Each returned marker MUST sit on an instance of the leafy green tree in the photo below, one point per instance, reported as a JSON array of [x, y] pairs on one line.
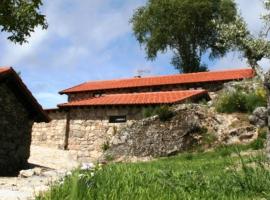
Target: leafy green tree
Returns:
[[236, 36], [186, 27], [20, 17]]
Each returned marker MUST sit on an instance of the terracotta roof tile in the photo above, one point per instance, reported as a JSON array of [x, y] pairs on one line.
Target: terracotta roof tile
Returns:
[[200, 77], [137, 98], [4, 69]]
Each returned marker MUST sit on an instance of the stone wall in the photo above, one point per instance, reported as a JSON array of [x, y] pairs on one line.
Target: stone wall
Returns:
[[83, 131], [15, 132], [190, 128], [51, 134]]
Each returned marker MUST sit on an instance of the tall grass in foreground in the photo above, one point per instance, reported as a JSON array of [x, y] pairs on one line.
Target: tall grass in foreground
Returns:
[[212, 175]]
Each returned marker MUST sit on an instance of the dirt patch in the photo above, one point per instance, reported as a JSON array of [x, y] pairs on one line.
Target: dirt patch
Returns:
[[45, 167]]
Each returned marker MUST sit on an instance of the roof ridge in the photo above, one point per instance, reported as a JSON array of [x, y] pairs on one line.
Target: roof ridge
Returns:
[[161, 76], [159, 92], [4, 69], [229, 74]]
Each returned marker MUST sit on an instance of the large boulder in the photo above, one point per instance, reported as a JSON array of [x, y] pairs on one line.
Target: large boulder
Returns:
[[259, 117]]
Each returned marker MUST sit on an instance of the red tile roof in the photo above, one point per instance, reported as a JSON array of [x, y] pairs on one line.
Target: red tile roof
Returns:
[[138, 98], [200, 77], [25, 96], [4, 69]]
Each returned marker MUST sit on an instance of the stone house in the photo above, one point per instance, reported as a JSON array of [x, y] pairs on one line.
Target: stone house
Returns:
[[97, 110], [18, 111]]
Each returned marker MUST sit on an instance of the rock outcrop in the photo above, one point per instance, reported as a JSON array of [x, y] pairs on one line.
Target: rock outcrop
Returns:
[[259, 117], [186, 130]]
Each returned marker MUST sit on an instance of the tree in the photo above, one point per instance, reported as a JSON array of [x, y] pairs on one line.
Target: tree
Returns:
[[236, 36], [20, 17], [186, 27]]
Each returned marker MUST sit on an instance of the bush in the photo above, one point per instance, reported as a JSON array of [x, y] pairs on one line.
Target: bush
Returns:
[[240, 101], [231, 102], [254, 100], [149, 112], [164, 113], [105, 146]]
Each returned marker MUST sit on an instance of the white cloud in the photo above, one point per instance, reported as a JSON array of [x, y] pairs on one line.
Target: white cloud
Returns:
[[86, 27], [15, 53]]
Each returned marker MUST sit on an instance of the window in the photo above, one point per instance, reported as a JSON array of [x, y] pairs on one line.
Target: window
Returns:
[[117, 119], [156, 89], [97, 94]]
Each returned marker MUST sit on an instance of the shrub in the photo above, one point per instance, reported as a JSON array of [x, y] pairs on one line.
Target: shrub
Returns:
[[105, 146], [240, 101], [164, 113], [254, 100], [149, 112], [231, 102]]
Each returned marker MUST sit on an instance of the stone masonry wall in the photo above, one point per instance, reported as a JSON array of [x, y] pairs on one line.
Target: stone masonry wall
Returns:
[[51, 134], [15, 132], [88, 129]]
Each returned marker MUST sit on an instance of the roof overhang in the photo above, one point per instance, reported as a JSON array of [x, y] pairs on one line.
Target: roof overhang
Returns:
[[23, 94]]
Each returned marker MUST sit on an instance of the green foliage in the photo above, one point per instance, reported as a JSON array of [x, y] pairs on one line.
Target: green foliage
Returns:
[[259, 143], [208, 139], [240, 101], [109, 157], [164, 113], [105, 146], [228, 150], [231, 102], [20, 18], [149, 112], [253, 176], [187, 27], [256, 99], [189, 176]]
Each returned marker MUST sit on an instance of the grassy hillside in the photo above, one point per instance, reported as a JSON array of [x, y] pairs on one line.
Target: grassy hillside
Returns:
[[212, 175]]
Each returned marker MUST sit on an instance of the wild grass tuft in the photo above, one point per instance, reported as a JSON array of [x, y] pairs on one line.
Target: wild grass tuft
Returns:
[[208, 175]]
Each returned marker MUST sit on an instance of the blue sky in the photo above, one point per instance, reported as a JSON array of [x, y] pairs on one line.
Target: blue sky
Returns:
[[92, 40]]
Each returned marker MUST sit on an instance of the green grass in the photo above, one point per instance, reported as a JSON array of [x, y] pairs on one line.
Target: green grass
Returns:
[[212, 175]]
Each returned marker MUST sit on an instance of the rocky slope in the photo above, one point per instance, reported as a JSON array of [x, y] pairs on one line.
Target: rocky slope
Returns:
[[191, 127]]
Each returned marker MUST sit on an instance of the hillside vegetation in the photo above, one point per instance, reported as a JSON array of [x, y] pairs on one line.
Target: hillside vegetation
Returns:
[[221, 174]]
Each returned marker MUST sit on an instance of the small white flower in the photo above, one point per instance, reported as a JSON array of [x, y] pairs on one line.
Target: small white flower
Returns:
[[61, 182], [69, 173], [87, 166]]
